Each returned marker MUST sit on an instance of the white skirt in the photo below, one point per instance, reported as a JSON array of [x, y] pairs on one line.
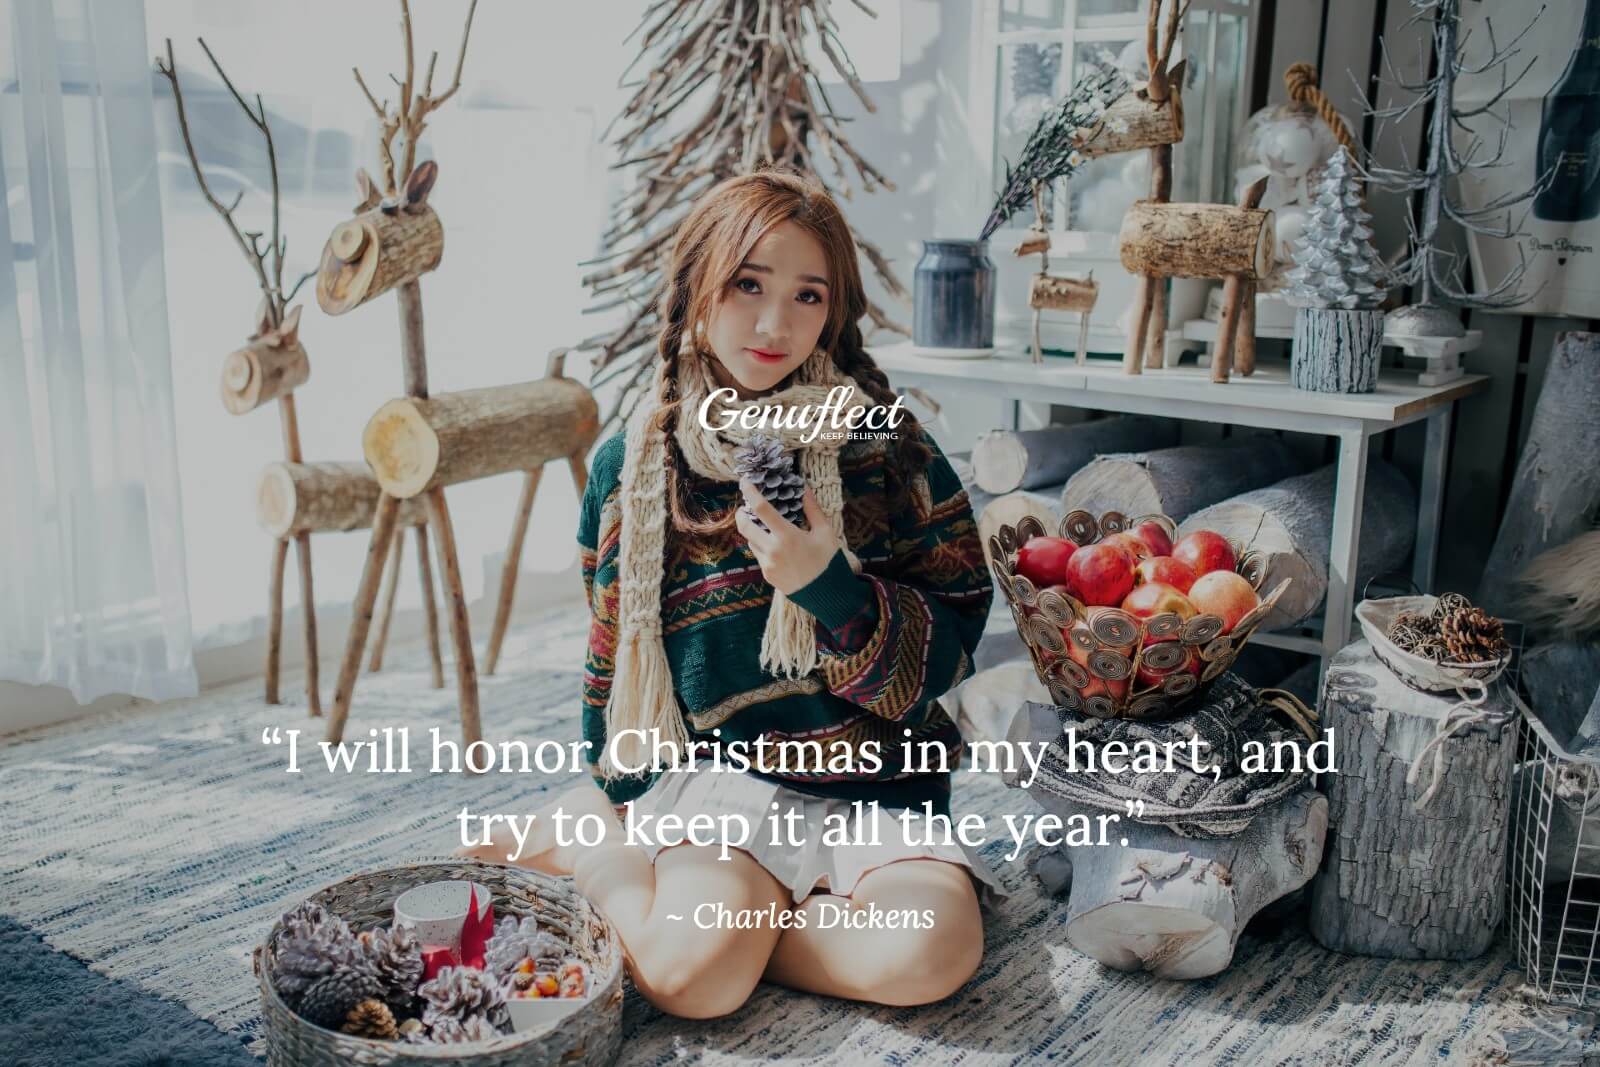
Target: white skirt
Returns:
[[813, 865]]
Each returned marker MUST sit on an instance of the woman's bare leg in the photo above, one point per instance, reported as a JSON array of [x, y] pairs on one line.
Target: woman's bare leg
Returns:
[[683, 962], [898, 967]]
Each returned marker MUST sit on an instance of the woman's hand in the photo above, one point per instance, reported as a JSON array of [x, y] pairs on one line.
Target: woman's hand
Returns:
[[789, 556]]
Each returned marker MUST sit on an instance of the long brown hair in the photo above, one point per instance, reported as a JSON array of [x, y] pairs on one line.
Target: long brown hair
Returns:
[[707, 252]]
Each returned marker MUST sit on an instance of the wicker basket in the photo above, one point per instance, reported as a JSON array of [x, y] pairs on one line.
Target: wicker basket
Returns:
[[590, 1035], [1097, 673], [1419, 672]]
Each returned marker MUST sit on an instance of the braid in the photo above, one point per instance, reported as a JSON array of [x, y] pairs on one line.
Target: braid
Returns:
[[911, 456], [687, 516]]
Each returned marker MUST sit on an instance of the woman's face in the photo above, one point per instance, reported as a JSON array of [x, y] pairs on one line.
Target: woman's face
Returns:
[[767, 321]]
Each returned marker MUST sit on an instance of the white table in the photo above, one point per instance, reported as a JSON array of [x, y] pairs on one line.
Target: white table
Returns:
[[1265, 400]]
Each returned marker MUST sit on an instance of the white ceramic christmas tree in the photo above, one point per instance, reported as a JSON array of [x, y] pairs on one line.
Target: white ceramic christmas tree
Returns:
[[1337, 284]]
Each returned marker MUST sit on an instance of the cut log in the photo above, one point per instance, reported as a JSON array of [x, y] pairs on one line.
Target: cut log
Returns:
[[295, 498], [1133, 120], [1008, 510], [1336, 350], [1006, 460], [1399, 881], [1196, 240], [1051, 293], [1178, 481], [1289, 526], [1170, 905], [1562, 678], [372, 253], [415, 445], [1556, 489], [262, 371]]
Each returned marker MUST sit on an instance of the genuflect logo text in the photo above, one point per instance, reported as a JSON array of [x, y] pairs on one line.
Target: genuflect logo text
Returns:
[[830, 419]]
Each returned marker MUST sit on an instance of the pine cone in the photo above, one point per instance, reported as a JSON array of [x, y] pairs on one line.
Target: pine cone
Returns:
[[462, 993], [312, 944], [394, 958], [1421, 623], [1472, 635], [450, 1031], [764, 462], [330, 1000], [515, 941], [371, 1019]]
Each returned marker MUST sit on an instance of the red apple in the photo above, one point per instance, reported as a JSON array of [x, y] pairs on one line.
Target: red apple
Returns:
[[1043, 560], [1155, 598], [1204, 551], [1166, 571], [1101, 573], [1225, 595], [1155, 536], [1129, 543]]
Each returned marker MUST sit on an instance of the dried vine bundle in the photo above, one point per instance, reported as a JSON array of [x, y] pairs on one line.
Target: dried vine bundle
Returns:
[[1453, 632], [730, 89]]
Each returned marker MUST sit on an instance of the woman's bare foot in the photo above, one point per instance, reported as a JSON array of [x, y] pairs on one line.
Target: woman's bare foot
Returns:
[[540, 851]]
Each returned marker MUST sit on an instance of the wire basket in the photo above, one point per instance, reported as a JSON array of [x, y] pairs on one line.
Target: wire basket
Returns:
[[1106, 662], [1555, 862]]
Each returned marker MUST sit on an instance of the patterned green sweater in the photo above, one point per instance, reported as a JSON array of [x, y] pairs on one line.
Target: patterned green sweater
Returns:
[[890, 640]]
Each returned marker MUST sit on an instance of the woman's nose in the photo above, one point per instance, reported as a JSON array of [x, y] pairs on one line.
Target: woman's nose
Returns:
[[773, 323]]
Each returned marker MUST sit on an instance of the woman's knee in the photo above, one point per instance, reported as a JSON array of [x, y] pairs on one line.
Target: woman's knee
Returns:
[[922, 964]]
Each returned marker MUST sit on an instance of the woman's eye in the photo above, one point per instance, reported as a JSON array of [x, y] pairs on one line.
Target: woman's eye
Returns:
[[810, 296], [748, 285]]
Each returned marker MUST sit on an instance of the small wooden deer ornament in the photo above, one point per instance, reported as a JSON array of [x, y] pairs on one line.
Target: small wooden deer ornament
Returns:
[[1049, 292]]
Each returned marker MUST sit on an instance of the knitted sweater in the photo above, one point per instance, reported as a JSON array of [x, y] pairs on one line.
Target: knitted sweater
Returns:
[[890, 640]]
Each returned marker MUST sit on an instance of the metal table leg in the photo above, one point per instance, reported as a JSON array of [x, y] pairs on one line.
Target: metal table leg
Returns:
[[1347, 497], [1430, 500]]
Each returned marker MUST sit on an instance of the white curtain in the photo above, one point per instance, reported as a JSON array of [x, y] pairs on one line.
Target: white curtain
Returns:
[[93, 594]]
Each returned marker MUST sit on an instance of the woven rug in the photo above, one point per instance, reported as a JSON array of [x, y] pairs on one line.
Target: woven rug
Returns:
[[158, 844]]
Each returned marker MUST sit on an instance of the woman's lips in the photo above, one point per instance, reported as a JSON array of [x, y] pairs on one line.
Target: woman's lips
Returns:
[[766, 356]]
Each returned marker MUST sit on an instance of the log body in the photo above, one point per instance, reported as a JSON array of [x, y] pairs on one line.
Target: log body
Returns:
[[1289, 526], [1336, 350], [372, 253], [415, 444], [1557, 484], [1178, 481], [1196, 240], [1397, 882], [1005, 460], [1051, 293], [1010, 509], [1142, 122], [295, 498], [260, 372]]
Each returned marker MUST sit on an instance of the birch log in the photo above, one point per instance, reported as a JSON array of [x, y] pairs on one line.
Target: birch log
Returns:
[[1052, 293], [262, 371], [295, 498], [372, 253], [1196, 240], [1006, 460], [1336, 350], [414, 445], [1177, 482], [1007, 510], [1399, 882], [1556, 489], [1133, 120], [1289, 525], [1171, 905]]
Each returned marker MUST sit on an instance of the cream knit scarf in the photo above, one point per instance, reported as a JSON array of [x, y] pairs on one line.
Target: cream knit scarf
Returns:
[[642, 696]]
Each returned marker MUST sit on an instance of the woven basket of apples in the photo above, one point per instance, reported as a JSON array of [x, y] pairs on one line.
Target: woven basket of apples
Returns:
[[1123, 618]]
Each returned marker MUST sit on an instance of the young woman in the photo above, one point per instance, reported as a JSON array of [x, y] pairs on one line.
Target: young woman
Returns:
[[715, 620]]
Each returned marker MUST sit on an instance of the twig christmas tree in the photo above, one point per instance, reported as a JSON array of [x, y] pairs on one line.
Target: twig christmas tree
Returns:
[[757, 99], [1435, 271], [1336, 284], [1336, 265]]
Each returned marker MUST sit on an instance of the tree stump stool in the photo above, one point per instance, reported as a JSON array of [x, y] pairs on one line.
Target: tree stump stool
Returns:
[[1402, 879]]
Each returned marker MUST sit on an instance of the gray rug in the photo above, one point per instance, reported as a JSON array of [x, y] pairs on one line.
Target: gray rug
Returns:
[[158, 844]]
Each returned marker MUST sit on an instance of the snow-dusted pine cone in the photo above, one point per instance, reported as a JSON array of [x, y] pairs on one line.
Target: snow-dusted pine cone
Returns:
[[371, 1019], [461, 994], [330, 1000], [763, 460], [515, 941], [312, 944], [1472, 635], [449, 1031], [394, 958]]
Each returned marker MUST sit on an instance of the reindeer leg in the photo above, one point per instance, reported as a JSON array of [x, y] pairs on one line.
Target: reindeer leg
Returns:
[[386, 615], [280, 557], [444, 543], [308, 617], [509, 569], [361, 613], [429, 608]]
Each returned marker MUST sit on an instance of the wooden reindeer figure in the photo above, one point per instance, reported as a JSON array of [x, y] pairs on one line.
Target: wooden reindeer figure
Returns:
[[419, 444], [270, 367], [1147, 116], [1055, 292]]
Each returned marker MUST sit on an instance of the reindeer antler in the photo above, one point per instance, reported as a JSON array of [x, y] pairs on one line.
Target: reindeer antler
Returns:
[[1159, 52], [410, 116]]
